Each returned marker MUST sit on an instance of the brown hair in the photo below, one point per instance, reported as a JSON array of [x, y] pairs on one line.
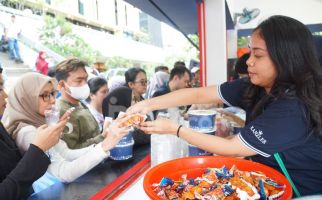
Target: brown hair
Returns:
[[68, 65]]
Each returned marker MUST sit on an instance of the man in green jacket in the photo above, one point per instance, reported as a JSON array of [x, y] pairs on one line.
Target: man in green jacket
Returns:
[[72, 83]]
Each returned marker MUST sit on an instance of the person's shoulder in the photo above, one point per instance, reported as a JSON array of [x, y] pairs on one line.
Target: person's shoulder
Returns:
[[161, 91], [122, 92], [64, 105], [122, 89], [292, 106], [27, 129], [294, 102]]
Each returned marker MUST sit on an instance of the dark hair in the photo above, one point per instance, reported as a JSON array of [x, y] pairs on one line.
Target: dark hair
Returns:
[[161, 68], [130, 74], [179, 71], [291, 48], [1, 69], [241, 66], [51, 72], [69, 65], [95, 84], [179, 63], [318, 43]]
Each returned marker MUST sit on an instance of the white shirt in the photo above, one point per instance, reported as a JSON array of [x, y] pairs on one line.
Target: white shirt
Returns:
[[97, 115], [66, 164], [13, 29]]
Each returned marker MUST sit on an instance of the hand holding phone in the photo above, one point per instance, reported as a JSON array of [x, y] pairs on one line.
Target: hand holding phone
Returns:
[[67, 114]]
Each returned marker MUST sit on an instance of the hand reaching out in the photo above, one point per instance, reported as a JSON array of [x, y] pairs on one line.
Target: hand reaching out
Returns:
[[140, 107], [114, 133], [160, 126], [47, 136]]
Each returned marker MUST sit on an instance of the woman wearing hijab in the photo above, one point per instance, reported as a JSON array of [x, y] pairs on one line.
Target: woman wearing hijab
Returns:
[[18, 172], [41, 63], [32, 95], [158, 80]]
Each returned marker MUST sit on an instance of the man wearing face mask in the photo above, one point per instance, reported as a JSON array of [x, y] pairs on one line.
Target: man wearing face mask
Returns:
[[72, 83]]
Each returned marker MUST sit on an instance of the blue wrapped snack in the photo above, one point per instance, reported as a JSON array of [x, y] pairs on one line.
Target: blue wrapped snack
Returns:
[[166, 181], [223, 173], [273, 183], [192, 181], [227, 190], [262, 192], [180, 187]]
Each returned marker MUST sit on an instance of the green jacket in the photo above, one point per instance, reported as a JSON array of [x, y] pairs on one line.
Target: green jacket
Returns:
[[85, 131]]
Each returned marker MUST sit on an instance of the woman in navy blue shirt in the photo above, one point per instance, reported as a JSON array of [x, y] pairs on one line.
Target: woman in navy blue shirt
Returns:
[[283, 102]]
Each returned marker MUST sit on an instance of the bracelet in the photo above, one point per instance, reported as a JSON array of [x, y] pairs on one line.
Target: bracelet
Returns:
[[178, 130]]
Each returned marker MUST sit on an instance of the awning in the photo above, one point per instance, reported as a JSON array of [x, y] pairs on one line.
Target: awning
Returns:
[[180, 14]]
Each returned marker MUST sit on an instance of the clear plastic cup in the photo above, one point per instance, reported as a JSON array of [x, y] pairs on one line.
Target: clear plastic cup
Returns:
[[52, 116]]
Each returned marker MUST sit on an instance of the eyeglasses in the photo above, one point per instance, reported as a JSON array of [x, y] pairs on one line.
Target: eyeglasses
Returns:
[[143, 82], [47, 96]]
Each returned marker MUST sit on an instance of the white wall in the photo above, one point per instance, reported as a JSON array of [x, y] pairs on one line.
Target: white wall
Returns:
[[216, 49], [306, 11]]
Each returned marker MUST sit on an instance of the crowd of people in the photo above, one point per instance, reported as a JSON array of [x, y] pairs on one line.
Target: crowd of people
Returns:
[[280, 90], [81, 140]]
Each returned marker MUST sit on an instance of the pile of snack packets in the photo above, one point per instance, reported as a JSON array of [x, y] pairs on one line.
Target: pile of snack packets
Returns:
[[220, 183]]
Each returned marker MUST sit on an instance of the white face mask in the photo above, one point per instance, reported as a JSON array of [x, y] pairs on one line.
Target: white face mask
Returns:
[[79, 93]]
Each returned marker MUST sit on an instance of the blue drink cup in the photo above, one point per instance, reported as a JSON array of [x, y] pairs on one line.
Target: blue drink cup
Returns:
[[124, 149], [195, 151], [202, 120]]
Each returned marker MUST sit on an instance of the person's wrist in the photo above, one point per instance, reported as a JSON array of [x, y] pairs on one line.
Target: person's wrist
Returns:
[[178, 131], [148, 105], [106, 147], [40, 146]]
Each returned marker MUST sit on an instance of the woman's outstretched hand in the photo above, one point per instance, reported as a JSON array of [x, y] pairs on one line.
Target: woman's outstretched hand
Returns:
[[160, 126], [140, 107], [114, 133]]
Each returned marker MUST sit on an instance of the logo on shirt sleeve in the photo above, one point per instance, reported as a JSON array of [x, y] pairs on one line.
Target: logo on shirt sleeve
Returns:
[[258, 134]]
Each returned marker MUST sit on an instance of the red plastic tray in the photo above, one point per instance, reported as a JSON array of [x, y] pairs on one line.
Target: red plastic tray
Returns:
[[195, 166]]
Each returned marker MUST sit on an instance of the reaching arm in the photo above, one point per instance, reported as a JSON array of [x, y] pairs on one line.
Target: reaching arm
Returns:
[[204, 95], [70, 154], [18, 183], [230, 146], [68, 171]]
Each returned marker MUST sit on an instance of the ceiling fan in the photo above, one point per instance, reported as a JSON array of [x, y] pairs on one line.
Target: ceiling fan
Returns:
[[246, 16]]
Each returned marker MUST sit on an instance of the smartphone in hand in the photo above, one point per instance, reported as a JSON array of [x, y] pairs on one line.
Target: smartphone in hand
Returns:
[[67, 113]]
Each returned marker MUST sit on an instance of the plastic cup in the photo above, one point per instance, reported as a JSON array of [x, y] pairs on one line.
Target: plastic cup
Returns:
[[52, 116]]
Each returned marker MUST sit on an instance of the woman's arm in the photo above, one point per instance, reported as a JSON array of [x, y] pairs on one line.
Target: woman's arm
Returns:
[[68, 171], [204, 95], [70, 154], [18, 183], [63, 168], [230, 146]]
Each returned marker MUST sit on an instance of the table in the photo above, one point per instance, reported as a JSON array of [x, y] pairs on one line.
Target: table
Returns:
[[98, 182]]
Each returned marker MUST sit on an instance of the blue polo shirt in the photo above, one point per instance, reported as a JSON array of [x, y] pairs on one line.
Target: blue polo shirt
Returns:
[[282, 127]]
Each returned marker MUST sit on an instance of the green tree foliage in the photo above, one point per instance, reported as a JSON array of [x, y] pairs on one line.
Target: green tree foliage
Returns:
[[242, 42], [185, 53], [57, 34], [118, 62]]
